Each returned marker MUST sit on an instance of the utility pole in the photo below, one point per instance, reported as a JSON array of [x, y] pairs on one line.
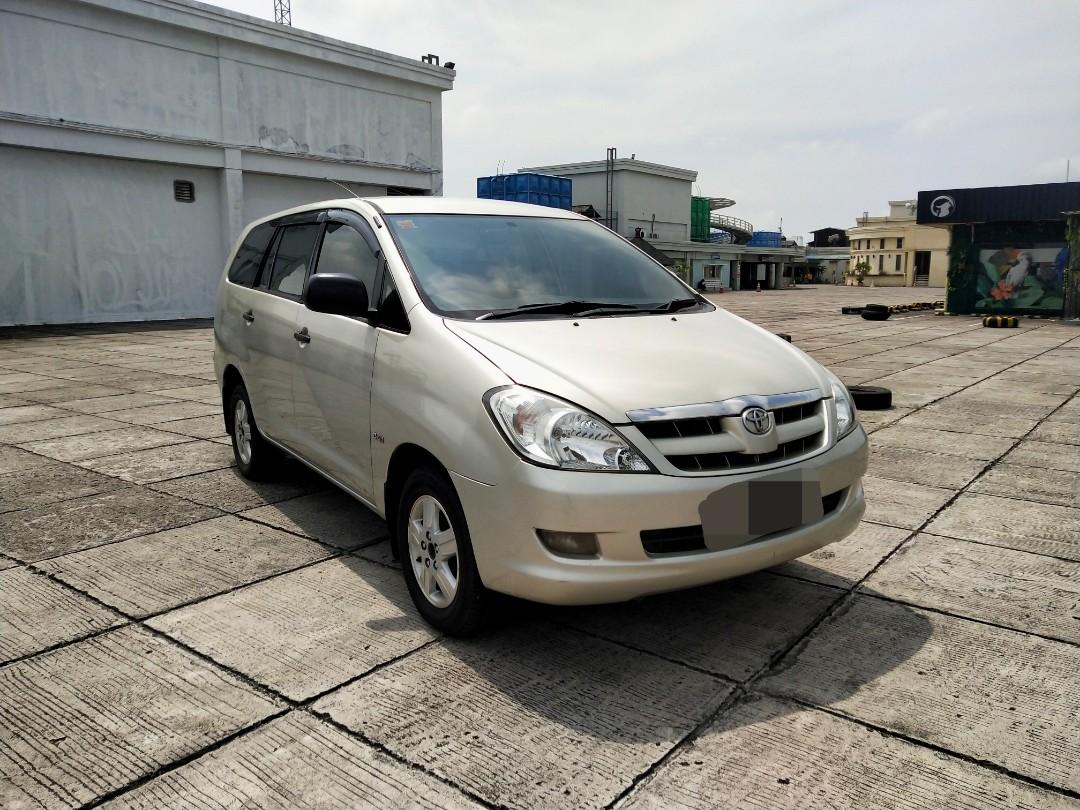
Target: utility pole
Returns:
[[609, 188], [283, 12]]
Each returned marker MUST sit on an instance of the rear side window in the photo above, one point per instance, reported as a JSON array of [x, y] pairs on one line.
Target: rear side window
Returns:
[[249, 257], [293, 256]]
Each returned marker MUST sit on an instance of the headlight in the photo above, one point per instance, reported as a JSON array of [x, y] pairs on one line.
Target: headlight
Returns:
[[845, 408], [554, 433]]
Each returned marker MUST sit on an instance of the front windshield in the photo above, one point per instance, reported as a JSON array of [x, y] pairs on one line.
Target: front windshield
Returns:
[[468, 265]]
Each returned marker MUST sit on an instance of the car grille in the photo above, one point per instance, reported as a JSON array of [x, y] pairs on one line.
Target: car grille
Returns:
[[705, 444], [688, 539]]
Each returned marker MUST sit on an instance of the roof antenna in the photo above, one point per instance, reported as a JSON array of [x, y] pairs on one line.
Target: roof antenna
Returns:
[[341, 185]]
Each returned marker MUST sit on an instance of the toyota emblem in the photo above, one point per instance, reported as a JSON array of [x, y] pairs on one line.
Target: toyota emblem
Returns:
[[757, 421]]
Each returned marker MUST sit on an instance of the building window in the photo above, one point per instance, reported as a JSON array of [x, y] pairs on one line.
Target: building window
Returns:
[[899, 243], [882, 245], [897, 262], [880, 261]]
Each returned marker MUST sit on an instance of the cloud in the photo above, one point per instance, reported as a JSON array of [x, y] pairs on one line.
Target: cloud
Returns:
[[814, 112], [932, 123]]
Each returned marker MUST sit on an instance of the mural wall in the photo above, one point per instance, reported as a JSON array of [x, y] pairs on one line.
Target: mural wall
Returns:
[[1021, 278], [1008, 267]]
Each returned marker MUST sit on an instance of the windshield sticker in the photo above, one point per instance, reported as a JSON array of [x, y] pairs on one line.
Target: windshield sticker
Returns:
[[406, 224]]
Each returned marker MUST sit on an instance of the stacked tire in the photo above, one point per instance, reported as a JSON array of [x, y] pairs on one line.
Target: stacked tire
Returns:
[[876, 312], [870, 397]]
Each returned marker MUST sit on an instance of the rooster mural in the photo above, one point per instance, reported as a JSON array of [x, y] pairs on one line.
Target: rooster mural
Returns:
[[1022, 278]]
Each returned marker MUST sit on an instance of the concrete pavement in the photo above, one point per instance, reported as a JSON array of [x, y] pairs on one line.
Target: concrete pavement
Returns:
[[174, 636]]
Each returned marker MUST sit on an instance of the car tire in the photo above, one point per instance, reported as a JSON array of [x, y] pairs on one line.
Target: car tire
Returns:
[[870, 397], [432, 541], [256, 458], [876, 307], [875, 315]]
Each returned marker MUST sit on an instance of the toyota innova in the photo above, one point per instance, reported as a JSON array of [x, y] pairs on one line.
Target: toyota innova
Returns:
[[536, 406]]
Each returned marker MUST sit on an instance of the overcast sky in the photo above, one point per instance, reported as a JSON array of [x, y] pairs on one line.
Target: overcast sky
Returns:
[[810, 111]]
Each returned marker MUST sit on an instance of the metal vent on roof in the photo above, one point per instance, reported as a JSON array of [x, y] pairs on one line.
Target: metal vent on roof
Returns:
[[183, 191]]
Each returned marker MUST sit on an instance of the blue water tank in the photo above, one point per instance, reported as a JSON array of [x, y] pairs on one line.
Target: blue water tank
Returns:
[[527, 187], [770, 239]]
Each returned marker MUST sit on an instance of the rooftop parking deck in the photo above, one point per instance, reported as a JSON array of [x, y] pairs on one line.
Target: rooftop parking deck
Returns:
[[174, 636]]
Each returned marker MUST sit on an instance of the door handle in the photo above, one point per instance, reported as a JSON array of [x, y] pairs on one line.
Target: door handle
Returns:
[[248, 316], [302, 336]]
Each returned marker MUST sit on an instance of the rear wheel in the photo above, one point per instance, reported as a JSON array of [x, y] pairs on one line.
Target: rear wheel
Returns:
[[255, 457], [433, 543]]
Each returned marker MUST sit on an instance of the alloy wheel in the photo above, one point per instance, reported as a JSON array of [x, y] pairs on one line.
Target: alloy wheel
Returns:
[[242, 431], [433, 551]]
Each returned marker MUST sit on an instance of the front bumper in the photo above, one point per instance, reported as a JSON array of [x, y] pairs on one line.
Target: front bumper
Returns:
[[503, 520]]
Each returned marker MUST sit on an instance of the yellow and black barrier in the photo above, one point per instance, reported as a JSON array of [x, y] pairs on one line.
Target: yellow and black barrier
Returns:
[[1001, 321], [919, 306]]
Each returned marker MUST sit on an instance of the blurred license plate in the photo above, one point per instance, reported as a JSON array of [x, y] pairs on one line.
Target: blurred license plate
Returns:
[[746, 510]]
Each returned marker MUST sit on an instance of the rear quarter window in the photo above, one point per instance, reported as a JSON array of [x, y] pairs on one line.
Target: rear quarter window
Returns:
[[249, 256]]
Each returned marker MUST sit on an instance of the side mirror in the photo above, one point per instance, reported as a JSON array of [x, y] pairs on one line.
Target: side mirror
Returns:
[[336, 294]]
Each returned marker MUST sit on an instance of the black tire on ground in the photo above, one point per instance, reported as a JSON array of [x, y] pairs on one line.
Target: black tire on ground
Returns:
[[875, 315], [256, 458], [467, 610], [876, 307], [851, 310], [870, 397]]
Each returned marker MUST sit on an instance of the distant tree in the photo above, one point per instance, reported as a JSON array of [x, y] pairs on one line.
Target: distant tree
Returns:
[[859, 271]]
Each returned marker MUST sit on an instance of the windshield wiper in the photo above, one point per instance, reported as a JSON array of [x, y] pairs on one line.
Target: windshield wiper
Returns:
[[675, 305], [574, 307]]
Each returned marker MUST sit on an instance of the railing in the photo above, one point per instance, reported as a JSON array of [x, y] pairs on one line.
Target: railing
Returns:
[[739, 229]]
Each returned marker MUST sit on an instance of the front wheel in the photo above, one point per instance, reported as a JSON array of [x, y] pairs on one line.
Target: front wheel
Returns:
[[434, 547]]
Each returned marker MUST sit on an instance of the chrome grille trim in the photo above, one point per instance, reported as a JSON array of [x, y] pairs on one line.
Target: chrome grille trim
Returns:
[[719, 462], [711, 437], [725, 407]]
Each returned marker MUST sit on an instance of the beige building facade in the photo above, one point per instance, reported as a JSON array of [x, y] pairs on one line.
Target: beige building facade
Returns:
[[899, 252]]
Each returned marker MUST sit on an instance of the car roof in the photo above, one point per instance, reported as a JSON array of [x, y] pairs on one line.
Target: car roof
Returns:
[[434, 205], [466, 205]]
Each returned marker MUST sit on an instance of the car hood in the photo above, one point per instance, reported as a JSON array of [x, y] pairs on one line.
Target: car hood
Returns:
[[612, 365]]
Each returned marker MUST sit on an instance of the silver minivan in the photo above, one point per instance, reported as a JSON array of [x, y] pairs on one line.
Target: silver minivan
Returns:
[[536, 406]]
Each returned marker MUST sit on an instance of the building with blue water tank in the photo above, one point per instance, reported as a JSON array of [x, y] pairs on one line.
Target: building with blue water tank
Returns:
[[526, 187], [652, 204]]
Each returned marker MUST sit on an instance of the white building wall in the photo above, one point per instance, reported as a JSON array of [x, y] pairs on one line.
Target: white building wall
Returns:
[[77, 250], [265, 194], [55, 67], [642, 196], [589, 189], [640, 190], [111, 100]]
